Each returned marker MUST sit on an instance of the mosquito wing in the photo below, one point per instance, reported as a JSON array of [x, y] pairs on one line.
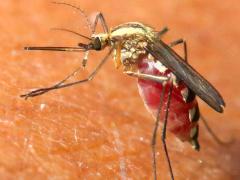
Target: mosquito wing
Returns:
[[162, 52]]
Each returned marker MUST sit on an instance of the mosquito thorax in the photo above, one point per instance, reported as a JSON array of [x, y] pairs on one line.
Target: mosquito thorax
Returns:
[[129, 41]]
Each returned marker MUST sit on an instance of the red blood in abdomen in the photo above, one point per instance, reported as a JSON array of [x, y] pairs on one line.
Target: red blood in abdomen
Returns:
[[150, 91]]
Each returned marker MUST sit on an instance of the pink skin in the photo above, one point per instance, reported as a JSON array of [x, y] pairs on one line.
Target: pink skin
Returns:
[[150, 91]]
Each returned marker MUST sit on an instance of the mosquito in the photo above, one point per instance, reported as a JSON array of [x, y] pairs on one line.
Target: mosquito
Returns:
[[167, 83]]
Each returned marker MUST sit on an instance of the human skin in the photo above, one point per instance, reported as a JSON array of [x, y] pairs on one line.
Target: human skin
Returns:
[[101, 129]]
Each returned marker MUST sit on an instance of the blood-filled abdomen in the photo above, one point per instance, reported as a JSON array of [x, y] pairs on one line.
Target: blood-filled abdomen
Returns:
[[183, 111]]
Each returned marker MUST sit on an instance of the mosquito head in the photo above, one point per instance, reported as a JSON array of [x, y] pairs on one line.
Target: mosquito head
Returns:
[[97, 43]]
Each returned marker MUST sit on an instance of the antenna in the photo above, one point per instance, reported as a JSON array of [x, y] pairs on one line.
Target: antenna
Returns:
[[81, 12], [70, 31]]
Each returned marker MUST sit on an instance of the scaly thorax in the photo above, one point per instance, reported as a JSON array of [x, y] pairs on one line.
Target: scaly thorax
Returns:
[[129, 41]]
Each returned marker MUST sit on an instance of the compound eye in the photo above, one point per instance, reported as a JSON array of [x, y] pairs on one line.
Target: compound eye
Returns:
[[97, 44]]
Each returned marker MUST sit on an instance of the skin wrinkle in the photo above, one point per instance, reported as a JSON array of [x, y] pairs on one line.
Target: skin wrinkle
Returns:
[[119, 149]]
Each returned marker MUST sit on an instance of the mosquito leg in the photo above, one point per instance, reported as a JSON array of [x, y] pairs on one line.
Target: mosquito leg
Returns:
[[68, 77], [159, 79], [61, 85], [154, 134], [181, 41], [214, 136], [162, 32], [100, 17], [165, 128], [154, 137], [85, 58]]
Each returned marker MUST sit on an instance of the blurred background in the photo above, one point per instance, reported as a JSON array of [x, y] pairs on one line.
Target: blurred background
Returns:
[[101, 130]]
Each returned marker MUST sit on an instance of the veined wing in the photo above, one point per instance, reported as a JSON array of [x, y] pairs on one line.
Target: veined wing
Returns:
[[197, 83]]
